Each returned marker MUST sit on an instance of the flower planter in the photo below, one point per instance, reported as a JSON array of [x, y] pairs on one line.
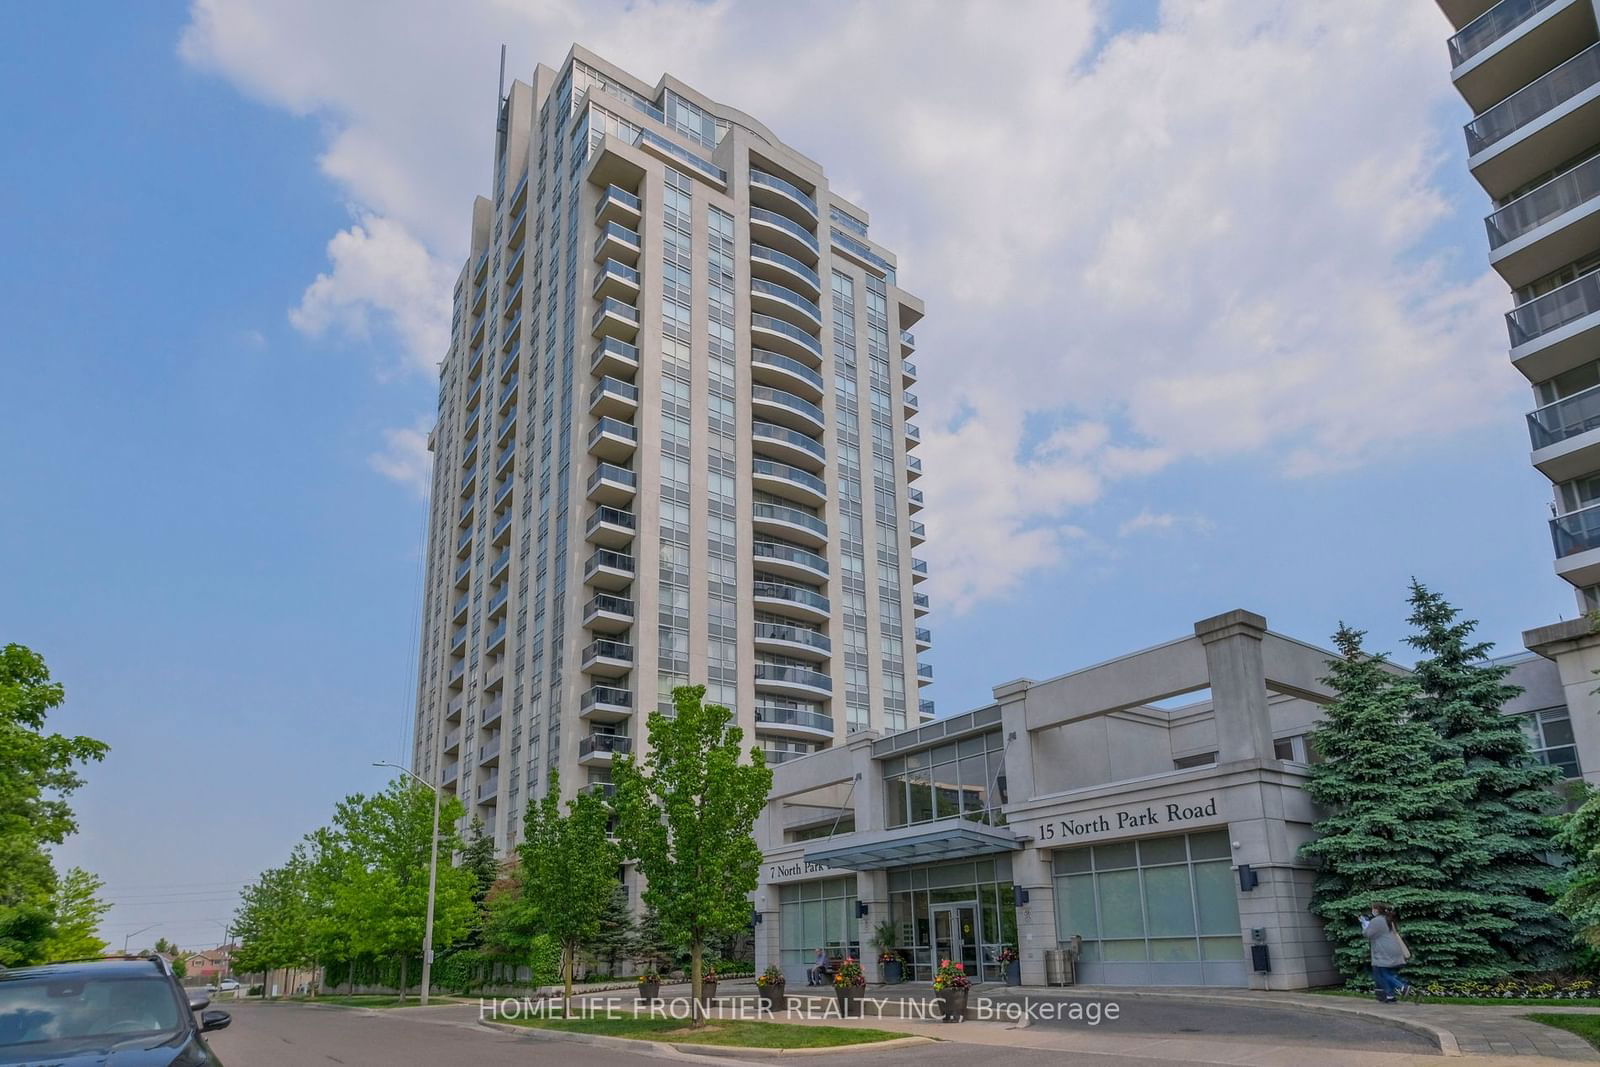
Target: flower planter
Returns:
[[773, 998], [1014, 972], [849, 997], [708, 991], [892, 972], [650, 991], [955, 1004]]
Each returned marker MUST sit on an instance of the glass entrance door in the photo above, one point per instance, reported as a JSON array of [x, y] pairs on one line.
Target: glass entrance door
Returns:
[[956, 936]]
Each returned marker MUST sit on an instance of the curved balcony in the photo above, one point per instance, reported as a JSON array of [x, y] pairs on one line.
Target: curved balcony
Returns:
[[784, 337], [790, 445], [794, 641], [784, 302], [613, 439], [616, 280], [614, 397], [793, 722], [604, 703], [606, 659], [613, 318], [618, 242], [786, 372], [613, 357], [611, 484], [606, 569], [776, 194], [786, 409], [611, 527], [791, 600], [790, 561], [784, 234], [605, 613], [793, 681], [788, 481], [789, 523], [781, 267], [596, 750]]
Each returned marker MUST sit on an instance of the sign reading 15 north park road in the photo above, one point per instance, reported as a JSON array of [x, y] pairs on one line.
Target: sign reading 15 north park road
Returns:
[[1128, 819]]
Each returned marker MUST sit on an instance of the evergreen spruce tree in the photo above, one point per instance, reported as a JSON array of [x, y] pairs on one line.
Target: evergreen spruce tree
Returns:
[[1512, 800], [1396, 827]]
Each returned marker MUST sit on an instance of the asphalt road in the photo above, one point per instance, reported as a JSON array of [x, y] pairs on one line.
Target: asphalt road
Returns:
[[1147, 1034]]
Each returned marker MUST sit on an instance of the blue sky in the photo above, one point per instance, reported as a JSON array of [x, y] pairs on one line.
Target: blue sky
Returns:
[[200, 544]]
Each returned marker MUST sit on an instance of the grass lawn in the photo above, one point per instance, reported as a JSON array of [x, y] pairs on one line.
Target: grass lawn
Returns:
[[735, 1033], [1524, 1002], [1585, 1026]]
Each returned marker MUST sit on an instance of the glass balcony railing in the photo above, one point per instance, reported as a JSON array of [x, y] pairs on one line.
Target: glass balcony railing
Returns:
[[791, 474], [863, 252], [610, 472], [924, 635], [496, 600], [618, 270], [618, 349], [776, 672], [612, 605], [459, 637], [919, 600], [503, 490], [792, 593], [772, 631], [615, 387], [500, 563], [617, 194], [609, 516], [491, 713], [925, 670], [1555, 197], [913, 431], [914, 463], [919, 530], [1567, 417], [465, 539], [511, 328], [1533, 100], [463, 568], [616, 231], [458, 671], [496, 635], [1576, 531], [460, 604], [595, 744], [604, 557], [788, 554], [919, 566], [1492, 25], [772, 181], [787, 295], [615, 427], [811, 720], [603, 790], [793, 516], [782, 259], [788, 400], [1579, 297], [789, 437], [908, 338], [915, 496], [467, 505], [788, 226], [505, 521], [925, 708], [612, 306], [789, 330], [617, 650], [778, 361], [605, 694]]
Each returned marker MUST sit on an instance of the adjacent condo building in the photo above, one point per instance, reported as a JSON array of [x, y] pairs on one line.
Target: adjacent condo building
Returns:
[[674, 445], [1530, 72]]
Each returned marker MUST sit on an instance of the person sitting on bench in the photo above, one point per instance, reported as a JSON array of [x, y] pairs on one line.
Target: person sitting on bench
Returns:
[[818, 974]]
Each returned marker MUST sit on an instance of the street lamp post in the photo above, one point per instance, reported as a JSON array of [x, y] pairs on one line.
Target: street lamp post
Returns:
[[433, 878], [135, 934]]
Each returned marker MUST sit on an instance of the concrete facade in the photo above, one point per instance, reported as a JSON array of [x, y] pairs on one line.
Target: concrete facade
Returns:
[[673, 444]]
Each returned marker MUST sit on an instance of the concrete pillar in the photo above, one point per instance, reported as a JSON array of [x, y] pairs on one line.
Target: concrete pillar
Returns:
[[1238, 684], [1574, 646], [872, 889], [1013, 700], [1036, 920]]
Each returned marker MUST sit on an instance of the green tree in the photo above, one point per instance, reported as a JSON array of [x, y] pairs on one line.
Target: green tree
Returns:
[[37, 772], [687, 813], [1579, 838], [273, 920], [569, 871], [479, 858], [614, 939], [651, 949], [75, 912], [1513, 795], [329, 920], [1397, 827]]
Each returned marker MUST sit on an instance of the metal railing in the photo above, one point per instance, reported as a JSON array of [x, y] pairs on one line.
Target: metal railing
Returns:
[[1555, 197], [788, 226], [777, 672], [761, 357], [1492, 25], [790, 474], [617, 744], [613, 605], [787, 295], [1567, 417], [783, 259], [1554, 309], [811, 720], [772, 181], [1576, 531], [774, 432], [787, 400], [772, 631], [789, 330], [799, 556], [793, 593], [1533, 100], [793, 516]]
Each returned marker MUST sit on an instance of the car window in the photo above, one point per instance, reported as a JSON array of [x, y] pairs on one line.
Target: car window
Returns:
[[51, 1010]]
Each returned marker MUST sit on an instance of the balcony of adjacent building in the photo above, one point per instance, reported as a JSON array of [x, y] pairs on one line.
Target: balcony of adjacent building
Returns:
[[617, 205], [449, 773], [518, 198], [489, 752], [464, 543], [605, 613], [469, 482], [1555, 332], [1535, 129], [780, 232], [510, 360], [612, 485], [919, 533], [512, 331], [479, 329], [458, 641], [778, 266], [499, 565], [606, 658], [1513, 43], [610, 527], [914, 500], [597, 749], [1552, 224], [785, 303], [452, 710], [508, 397], [784, 408], [498, 600], [791, 680], [919, 604], [605, 703], [491, 714], [790, 600], [614, 397], [474, 361], [908, 372], [792, 639], [496, 641], [452, 741], [780, 721], [517, 228], [463, 575], [480, 297], [778, 194], [469, 453], [924, 638], [488, 792], [616, 281], [609, 570], [913, 468], [790, 482], [791, 561], [1566, 435], [502, 492], [514, 286], [614, 358], [790, 446], [507, 461], [919, 570], [785, 372], [458, 612], [776, 335], [456, 677], [613, 318], [789, 523], [494, 675], [618, 242], [613, 440], [1576, 537], [502, 530]]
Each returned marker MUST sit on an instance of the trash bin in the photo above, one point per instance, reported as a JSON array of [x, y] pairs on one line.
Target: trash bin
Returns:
[[1057, 967]]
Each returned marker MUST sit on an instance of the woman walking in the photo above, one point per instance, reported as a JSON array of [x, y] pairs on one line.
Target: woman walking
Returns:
[[1389, 953]]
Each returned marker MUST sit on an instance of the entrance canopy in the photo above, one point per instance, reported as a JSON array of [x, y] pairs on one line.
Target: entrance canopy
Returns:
[[928, 843]]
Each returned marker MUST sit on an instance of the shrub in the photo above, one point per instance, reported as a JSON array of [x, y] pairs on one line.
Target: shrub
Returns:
[[951, 976]]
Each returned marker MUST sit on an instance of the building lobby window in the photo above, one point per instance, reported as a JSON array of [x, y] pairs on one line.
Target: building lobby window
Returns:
[[1550, 736], [961, 780], [813, 915]]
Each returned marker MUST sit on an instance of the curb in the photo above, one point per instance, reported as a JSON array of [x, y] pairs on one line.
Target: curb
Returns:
[[633, 1044]]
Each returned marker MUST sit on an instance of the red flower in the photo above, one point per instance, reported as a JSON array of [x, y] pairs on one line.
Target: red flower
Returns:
[[961, 966]]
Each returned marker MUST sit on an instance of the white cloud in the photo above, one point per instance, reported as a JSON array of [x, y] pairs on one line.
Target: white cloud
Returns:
[[1212, 236], [1165, 522], [405, 457]]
